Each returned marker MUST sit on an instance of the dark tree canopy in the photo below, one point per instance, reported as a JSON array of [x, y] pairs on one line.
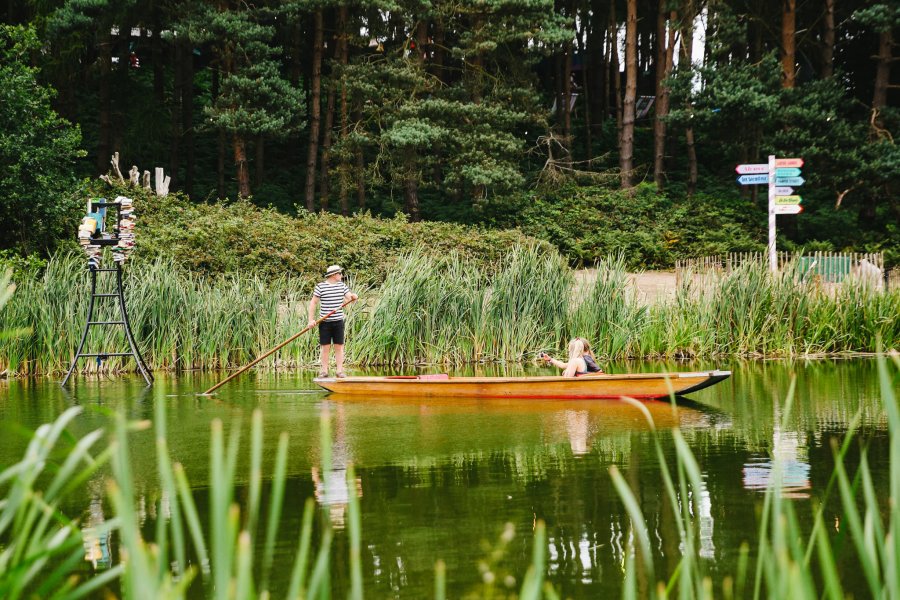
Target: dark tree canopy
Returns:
[[461, 110]]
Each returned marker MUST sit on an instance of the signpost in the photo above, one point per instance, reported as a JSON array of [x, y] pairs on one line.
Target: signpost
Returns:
[[753, 179], [751, 169], [781, 175], [785, 209], [788, 162]]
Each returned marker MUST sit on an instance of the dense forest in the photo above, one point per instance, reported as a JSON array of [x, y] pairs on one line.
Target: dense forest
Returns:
[[495, 112]]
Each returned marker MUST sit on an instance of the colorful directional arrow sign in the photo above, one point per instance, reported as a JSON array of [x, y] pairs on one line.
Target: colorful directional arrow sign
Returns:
[[788, 209], [752, 179], [787, 172], [786, 180], [784, 191], [788, 162], [788, 200], [750, 169]]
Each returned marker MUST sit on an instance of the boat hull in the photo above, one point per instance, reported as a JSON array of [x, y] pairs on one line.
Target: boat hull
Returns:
[[633, 385]]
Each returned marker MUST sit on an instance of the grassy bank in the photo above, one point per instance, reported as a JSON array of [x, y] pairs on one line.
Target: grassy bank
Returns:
[[447, 310]]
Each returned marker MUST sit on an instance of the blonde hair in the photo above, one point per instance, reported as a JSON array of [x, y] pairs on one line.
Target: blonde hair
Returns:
[[576, 348]]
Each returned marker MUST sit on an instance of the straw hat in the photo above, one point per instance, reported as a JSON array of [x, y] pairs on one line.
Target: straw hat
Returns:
[[333, 269]]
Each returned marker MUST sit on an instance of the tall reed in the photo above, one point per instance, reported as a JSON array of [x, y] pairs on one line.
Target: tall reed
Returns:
[[444, 311], [791, 561], [608, 313], [229, 557]]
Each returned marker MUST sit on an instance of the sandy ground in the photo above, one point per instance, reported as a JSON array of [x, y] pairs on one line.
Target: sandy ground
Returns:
[[650, 286]]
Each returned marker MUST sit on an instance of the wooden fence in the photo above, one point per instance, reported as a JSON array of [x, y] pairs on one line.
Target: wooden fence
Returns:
[[828, 267]]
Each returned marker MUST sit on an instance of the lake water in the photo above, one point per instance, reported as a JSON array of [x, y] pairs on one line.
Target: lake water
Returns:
[[440, 479]]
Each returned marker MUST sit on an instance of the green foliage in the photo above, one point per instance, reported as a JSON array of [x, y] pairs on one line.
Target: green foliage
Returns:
[[587, 223], [254, 98], [38, 150], [881, 16], [21, 267], [232, 237], [43, 547]]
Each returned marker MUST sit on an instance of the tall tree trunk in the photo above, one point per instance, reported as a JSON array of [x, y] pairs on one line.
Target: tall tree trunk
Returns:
[[567, 98], [325, 169], [240, 162], [828, 40], [360, 179], [567, 103], [436, 67], [595, 45], [883, 69], [177, 89], [220, 150], [788, 43], [325, 175], [360, 167], [119, 87], [314, 113], [156, 55], [616, 75], [687, 37], [411, 183], [103, 112], [586, 77], [559, 64], [610, 46], [411, 186], [295, 67], [344, 53], [187, 115], [626, 151], [259, 162], [665, 39], [221, 192]]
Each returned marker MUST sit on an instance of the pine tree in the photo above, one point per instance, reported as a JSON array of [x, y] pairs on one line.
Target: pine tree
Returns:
[[254, 98]]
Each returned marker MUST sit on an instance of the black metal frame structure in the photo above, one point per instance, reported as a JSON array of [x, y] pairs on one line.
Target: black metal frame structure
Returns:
[[119, 294]]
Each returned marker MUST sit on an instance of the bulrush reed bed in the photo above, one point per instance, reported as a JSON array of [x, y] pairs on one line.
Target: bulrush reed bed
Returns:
[[448, 311]]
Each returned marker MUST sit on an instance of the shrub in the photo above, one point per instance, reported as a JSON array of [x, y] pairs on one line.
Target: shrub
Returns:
[[587, 223], [238, 236]]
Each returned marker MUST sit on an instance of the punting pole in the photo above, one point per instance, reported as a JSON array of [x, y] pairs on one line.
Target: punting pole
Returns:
[[272, 351]]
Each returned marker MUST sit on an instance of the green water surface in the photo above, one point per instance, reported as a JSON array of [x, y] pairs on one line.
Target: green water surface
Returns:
[[440, 479]]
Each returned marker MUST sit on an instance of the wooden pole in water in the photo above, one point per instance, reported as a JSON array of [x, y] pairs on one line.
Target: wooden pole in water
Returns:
[[272, 351]]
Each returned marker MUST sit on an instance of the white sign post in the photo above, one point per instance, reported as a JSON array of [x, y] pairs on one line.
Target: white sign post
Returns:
[[773, 256], [779, 174]]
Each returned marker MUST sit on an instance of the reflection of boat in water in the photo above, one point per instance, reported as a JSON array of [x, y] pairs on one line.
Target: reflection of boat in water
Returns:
[[613, 415], [634, 385]]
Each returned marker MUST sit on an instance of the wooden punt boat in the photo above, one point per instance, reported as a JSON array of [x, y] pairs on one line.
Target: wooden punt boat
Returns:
[[634, 385]]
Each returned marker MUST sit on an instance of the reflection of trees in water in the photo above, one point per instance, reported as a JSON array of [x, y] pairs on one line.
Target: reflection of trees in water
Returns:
[[423, 507], [829, 393]]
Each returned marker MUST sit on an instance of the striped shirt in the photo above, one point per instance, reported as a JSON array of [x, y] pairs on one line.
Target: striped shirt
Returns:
[[331, 296]]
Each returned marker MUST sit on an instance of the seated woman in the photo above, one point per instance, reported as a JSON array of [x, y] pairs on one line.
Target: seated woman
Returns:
[[589, 359], [575, 365]]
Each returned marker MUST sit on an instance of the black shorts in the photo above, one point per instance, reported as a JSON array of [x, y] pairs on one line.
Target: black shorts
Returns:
[[331, 332]]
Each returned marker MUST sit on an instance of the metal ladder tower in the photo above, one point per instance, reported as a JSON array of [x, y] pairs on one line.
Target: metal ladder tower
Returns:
[[119, 295]]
